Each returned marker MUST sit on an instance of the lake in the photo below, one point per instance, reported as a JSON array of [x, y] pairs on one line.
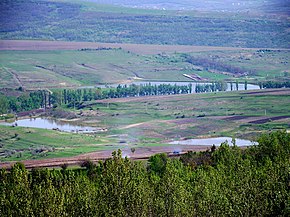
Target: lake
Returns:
[[50, 124], [216, 141]]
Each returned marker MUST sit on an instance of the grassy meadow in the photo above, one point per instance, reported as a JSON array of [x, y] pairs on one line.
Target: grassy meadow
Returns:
[[255, 42], [154, 121], [20, 143], [73, 68]]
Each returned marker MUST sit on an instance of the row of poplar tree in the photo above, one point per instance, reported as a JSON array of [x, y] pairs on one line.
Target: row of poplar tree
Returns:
[[74, 97], [227, 181]]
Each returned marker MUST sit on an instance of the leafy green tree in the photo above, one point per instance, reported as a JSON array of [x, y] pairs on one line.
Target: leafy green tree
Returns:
[[157, 163], [4, 104]]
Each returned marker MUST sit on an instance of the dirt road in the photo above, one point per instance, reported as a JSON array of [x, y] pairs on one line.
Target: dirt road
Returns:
[[139, 154], [135, 48]]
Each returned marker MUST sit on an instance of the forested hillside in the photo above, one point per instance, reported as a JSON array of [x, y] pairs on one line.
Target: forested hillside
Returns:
[[58, 20], [209, 5], [223, 182]]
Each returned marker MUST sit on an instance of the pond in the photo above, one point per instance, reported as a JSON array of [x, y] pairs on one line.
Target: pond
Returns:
[[216, 141], [51, 124], [241, 86]]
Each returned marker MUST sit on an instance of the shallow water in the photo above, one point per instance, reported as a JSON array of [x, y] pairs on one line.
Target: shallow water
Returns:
[[216, 141], [45, 123]]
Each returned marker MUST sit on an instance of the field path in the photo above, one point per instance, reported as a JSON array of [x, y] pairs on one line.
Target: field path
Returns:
[[135, 48], [141, 153], [15, 77], [132, 125]]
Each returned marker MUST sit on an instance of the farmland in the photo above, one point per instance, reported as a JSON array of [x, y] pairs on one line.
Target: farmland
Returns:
[[34, 64], [79, 44], [144, 108], [154, 121]]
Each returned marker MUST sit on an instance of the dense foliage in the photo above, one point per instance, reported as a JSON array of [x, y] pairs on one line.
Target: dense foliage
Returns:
[[223, 182], [75, 22], [275, 84], [25, 102], [209, 64], [74, 98], [218, 86]]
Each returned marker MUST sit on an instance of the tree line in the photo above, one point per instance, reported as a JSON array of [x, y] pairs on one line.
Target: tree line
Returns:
[[213, 87], [274, 84], [25, 102], [75, 97], [227, 181], [209, 64]]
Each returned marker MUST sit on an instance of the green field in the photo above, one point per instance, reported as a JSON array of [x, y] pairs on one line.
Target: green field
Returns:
[[63, 68], [30, 143], [147, 121], [262, 32], [194, 115]]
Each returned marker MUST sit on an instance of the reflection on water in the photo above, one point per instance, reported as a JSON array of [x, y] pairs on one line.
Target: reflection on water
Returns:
[[45, 123], [241, 86], [216, 141]]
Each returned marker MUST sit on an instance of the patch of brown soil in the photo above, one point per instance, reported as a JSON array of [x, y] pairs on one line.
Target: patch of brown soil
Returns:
[[140, 153], [265, 120], [237, 118], [135, 48], [280, 91]]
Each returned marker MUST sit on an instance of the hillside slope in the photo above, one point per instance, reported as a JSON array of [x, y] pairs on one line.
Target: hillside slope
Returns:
[[86, 21]]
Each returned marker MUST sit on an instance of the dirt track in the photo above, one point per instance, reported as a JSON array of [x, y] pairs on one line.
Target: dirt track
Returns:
[[135, 48], [140, 153], [280, 91], [270, 92]]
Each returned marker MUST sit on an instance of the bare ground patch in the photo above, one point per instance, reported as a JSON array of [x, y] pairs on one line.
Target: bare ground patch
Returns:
[[265, 120], [140, 153], [254, 119], [135, 48], [281, 91]]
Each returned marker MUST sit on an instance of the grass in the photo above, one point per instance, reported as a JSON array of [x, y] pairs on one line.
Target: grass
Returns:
[[64, 68], [191, 115], [75, 68], [153, 121], [22, 143]]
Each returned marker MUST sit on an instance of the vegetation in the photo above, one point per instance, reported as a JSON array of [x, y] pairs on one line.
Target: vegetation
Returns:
[[74, 98], [223, 181], [213, 65], [231, 182], [151, 121], [20, 143], [72, 21], [63, 69], [27, 101], [273, 84]]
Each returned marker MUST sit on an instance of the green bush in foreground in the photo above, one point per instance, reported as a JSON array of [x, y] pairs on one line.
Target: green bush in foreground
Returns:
[[223, 182]]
